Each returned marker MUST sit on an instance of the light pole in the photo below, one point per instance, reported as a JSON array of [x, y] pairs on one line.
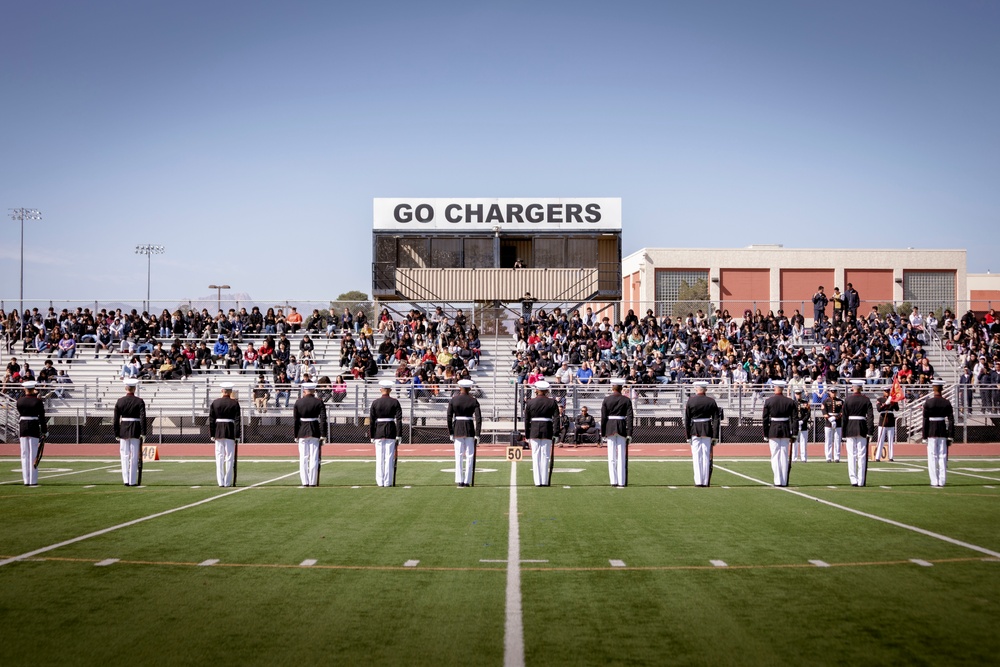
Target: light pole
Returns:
[[148, 250], [218, 293], [23, 214]]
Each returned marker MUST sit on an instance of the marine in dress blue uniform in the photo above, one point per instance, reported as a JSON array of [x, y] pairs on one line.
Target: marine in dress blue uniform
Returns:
[[780, 426], [939, 430], [617, 421], [857, 417], [130, 431], [32, 426], [223, 423], [385, 428], [540, 414], [701, 427], [309, 422], [465, 420]]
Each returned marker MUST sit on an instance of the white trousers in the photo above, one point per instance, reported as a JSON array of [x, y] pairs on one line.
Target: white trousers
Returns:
[[130, 453], [779, 460], [225, 461], [937, 460], [465, 460], [833, 442], [617, 460], [309, 461], [799, 452], [541, 461], [886, 434], [701, 449], [385, 461], [857, 460], [29, 450]]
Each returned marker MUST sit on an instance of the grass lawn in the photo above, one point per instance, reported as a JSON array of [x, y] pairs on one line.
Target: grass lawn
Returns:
[[301, 576]]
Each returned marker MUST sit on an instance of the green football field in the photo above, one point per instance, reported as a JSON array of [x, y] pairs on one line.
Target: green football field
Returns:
[[182, 572]]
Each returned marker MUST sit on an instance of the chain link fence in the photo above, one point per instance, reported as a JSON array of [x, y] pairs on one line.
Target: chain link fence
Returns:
[[659, 414]]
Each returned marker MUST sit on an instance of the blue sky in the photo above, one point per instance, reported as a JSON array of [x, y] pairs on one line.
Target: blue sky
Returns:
[[249, 138]]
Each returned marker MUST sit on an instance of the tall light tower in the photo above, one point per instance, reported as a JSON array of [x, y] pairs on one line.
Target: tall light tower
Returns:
[[148, 250], [218, 293], [23, 214]]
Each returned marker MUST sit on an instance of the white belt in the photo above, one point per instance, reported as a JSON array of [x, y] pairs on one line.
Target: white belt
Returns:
[[227, 421], [616, 417], [305, 419], [29, 419], [129, 419], [708, 419], [463, 419], [384, 419], [935, 419], [779, 419], [857, 418], [541, 419]]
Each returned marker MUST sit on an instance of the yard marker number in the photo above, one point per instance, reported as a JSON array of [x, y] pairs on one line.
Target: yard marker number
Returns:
[[515, 453], [616, 563], [411, 563], [719, 563], [308, 562], [150, 453]]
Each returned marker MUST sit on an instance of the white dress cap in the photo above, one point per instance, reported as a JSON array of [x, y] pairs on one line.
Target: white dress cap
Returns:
[[386, 384], [618, 381], [131, 382], [542, 385], [466, 383]]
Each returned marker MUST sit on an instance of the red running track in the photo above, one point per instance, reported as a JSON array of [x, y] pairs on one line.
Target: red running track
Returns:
[[364, 449]]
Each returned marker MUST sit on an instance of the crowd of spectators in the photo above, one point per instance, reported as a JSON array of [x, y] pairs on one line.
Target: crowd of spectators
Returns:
[[977, 343], [587, 348]]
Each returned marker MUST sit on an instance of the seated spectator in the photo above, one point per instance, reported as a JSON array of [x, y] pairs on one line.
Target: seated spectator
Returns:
[[293, 320], [250, 357], [261, 393], [67, 348], [131, 369], [586, 428], [306, 347], [282, 389], [220, 350], [339, 390]]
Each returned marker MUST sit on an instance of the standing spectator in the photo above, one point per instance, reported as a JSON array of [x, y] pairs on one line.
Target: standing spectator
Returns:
[[820, 300], [852, 301]]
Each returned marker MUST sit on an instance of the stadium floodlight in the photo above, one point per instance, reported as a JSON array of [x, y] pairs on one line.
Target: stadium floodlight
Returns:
[[218, 293], [148, 250], [23, 214]]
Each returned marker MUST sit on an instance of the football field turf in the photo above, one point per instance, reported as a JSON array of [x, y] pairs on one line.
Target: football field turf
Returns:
[[182, 572]]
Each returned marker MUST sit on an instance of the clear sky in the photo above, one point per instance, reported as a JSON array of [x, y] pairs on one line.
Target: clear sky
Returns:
[[250, 137]]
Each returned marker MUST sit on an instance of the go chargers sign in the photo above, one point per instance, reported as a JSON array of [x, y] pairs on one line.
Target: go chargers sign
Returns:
[[509, 215]]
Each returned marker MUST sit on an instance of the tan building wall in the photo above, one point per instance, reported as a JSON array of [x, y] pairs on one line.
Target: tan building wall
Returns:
[[871, 267]]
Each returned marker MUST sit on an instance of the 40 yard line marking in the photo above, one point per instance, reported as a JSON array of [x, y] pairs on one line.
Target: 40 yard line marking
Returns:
[[104, 531], [62, 474], [513, 632], [898, 524]]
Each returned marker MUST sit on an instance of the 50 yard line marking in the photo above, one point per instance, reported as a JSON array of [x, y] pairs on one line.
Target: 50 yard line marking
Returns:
[[104, 531], [891, 522], [513, 633]]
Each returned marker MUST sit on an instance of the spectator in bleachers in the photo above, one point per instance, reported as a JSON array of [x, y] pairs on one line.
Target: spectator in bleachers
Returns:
[[282, 389], [315, 323], [294, 320], [250, 358], [306, 347], [339, 389], [67, 347], [261, 394], [270, 322], [220, 350]]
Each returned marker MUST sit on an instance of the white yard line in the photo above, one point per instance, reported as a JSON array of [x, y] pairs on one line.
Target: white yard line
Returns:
[[891, 522], [951, 471], [513, 632], [104, 531], [62, 474]]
